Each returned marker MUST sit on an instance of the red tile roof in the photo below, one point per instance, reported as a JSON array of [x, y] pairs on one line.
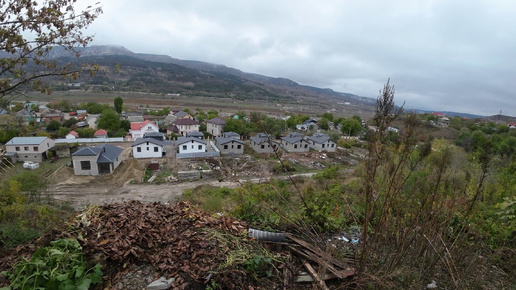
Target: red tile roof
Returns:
[[140, 125], [100, 132], [74, 133]]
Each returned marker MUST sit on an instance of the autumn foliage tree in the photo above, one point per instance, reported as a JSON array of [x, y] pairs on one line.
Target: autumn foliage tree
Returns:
[[29, 31]]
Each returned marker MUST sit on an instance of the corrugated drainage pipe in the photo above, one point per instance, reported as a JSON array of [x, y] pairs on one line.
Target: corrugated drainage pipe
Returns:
[[266, 236]]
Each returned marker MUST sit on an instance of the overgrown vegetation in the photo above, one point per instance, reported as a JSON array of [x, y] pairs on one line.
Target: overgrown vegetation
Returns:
[[423, 209], [59, 266]]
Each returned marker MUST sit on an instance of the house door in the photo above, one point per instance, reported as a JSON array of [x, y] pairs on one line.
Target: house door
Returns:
[[104, 168]]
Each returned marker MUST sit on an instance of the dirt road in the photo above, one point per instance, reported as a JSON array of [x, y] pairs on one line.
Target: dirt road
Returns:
[[82, 195]]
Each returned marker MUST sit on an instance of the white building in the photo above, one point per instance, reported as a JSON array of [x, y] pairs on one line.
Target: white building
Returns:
[[148, 148], [138, 129], [190, 145]]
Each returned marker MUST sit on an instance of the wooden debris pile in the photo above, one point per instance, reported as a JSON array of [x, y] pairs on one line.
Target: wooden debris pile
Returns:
[[328, 267], [169, 237]]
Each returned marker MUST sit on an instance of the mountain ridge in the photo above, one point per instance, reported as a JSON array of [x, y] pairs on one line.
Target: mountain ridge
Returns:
[[274, 85]]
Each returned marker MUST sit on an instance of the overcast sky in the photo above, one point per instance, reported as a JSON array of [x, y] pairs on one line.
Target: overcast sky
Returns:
[[447, 55]]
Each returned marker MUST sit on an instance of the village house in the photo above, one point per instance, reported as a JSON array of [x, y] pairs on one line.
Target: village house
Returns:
[[156, 135], [321, 142], [190, 145], [183, 126], [96, 160], [28, 148], [215, 126], [72, 135], [138, 129], [263, 143], [294, 142], [195, 134], [148, 148], [183, 115], [100, 133], [230, 143]]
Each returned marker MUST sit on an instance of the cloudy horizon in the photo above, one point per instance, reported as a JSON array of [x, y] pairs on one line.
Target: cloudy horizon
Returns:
[[439, 55]]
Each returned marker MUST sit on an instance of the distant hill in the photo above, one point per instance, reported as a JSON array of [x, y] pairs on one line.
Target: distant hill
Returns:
[[167, 75], [449, 114]]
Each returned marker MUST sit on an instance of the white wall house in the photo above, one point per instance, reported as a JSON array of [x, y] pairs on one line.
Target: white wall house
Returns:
[[190, 145], [138, 129], [148, 148]]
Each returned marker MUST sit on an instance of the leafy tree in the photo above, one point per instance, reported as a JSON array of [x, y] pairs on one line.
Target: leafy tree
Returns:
[[96, 108], [85, 132], [70, 122], [324, 124], [63, 131], [118, 102], [212, 114], [109, 120], [351, 127], [30, 31], [294, 120], [53, 126], [328, 116], [17, 107]]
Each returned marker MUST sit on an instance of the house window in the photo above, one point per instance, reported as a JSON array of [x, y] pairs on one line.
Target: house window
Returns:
[[156, 149], [323, 145], [17, 148], [35, 148], [138, 149], [26, 148], [225, 146], [199, 147], [147, 148], [295, 146], [184, 147], [85, 165], [332, 145], [263, 146], [239, 146], [306, 146]]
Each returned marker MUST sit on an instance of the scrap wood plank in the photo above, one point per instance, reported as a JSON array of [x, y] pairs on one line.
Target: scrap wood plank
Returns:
[[317, 260], [316, 277], [317, 252], [328, 276]]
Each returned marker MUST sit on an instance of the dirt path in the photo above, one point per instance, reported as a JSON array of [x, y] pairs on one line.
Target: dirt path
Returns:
[[82, 195]]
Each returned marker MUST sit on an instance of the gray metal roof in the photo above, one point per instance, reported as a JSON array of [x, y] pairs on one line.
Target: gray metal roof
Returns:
[[181, 114], [217, 121], [195, 134], [224, 140], [107, 153], [231, 135], [26, 140], [318, 138], [144, 140], [292, 140], [182, 140]]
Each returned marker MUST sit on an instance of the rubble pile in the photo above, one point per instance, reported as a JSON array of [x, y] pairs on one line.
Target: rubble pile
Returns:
[[169, 237]]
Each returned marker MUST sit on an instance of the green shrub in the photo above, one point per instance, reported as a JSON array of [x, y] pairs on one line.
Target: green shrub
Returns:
[[59, 266]]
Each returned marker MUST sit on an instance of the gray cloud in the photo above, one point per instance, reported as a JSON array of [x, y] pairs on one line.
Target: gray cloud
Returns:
[[439, 54]]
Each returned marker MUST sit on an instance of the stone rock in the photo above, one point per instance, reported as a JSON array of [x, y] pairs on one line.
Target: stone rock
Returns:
[[161, 283]]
